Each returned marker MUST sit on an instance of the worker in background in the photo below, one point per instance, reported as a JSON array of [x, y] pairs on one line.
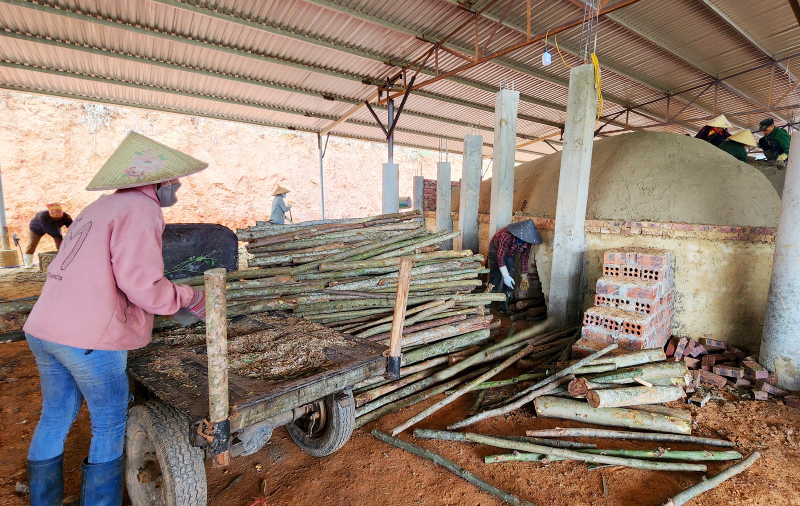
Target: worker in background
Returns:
[[279, 206], [47, 222], [715, 130], [775, 142], [515, 239], [98, 302], [736, 144]]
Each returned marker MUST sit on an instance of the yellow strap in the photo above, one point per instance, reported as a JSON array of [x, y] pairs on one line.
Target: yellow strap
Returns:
[[598, 82]]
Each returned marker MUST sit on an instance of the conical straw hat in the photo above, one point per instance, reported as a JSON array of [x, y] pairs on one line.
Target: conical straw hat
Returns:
[[140, 161], [280, 190], [720, 121], [744, 137]]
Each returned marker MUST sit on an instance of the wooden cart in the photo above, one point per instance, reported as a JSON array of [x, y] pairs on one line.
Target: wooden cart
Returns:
[[164, 449]]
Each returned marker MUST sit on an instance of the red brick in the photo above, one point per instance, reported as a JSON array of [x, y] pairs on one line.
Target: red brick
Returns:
[[718, 358], [772, 379], [766, 387], [730, 356], [711, 343], [707, 362], [698, 350], [710, 378], [760, 395], [730, 372], [743, 382], [757, 370], [681, 347], [671, 345], [692, 363], [739, 354]]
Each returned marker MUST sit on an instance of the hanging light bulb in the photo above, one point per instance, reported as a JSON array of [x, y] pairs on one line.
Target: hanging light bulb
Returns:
[[547, 58]]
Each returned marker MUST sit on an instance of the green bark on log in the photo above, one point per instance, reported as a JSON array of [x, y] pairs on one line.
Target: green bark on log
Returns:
[[444, 347], [638, 436], [708, 483], [394, 262], [411, 247]]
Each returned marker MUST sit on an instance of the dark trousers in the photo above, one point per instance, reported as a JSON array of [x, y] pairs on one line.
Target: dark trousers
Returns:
[[772, 148], [495, 276]]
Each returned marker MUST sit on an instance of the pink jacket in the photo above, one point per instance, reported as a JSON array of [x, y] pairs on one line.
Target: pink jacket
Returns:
[[107, 280]]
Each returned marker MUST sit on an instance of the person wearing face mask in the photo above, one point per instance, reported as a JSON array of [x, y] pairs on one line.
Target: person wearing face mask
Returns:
[[47, 222], [98, 302], [515, 239]]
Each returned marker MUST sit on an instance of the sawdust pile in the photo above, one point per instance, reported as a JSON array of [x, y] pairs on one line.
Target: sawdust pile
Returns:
[[652, 176], [265, 346]]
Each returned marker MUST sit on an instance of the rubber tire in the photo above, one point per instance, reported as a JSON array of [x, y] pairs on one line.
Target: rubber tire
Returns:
[[339, 427], [156, 425]]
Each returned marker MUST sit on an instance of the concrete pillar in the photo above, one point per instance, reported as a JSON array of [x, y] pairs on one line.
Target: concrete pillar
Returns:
[[8, 256], [444, 187], [470, 192], [780, 344], [569, 242], [505, 139], [391, 188], [419, 193]]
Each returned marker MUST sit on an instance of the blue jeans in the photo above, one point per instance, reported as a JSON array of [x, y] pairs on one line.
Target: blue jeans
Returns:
[[68, 375]]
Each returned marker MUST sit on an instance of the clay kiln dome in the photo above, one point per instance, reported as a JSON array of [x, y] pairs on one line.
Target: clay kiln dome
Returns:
[[652, 176]]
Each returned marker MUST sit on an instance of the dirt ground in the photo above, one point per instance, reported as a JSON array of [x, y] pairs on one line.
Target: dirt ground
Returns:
[[367, 472]]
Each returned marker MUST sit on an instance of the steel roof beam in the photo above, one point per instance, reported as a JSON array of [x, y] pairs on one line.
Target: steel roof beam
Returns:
[[219, 75], [741, 31], [666, 47], [185, 93], [309, 68]]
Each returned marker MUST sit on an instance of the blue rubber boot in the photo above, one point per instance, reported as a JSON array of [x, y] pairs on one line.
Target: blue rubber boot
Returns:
[[102, 483], [46, 481]]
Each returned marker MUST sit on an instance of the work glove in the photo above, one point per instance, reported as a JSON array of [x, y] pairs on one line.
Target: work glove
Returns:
[[197, 306], [507, 279], [783, 157]]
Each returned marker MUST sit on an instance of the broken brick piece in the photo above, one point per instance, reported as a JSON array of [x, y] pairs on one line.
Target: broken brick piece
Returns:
[[710, 378], [692, 363], [681, 347], [741, 382], [699, 350], [760, 395], [793, 401], [727, 371], [699, 400], [757, 370], [740, 355], [712, 343], [729, 355], [690, 346], [766, 387], [671, 345], [772, 379], [718, 358]]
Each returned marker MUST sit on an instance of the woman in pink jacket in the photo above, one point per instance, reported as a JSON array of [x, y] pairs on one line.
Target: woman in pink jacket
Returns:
[[99, 299]]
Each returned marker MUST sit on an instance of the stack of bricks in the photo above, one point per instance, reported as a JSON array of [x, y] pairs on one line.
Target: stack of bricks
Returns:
[[429, 193], [634, 302]]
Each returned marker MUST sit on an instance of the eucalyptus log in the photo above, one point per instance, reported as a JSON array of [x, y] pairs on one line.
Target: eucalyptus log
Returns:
[[421, 288], [445, 331], [404, 371], [409, 401], [374, 393], [17, 306], [447, 435], [444, 347], [514, 457], [390, 262], [664, 410], [459, 471], [411, 246], [568, 409], [239, 274], [460, 300], [463, 390], [431, 270], [708, 483], [244, 293], [580, 455], [633, 358], [632, 396], [415, 310], [421, 326], [398, 318], [511, 381], [545, 389], [356, 252], [638, 436], [645, 372]]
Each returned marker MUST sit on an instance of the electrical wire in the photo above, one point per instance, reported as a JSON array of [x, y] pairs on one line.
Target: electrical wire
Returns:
[[555, 38], [598, 81]]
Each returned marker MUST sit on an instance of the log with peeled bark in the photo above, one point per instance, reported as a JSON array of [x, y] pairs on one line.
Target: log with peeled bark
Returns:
[[504, 496], [505, 364], [581, 455], [569, 409], [633, 358], [637, 436], [660, 454], [708, 483], [393, 262], [632, 396], [445, 347]]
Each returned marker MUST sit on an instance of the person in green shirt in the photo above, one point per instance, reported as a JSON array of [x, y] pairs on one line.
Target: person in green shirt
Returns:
[[775, 142], [735, 145]]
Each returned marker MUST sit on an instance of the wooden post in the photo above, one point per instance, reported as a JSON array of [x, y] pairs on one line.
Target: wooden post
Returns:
[[217, 351], [399, 317]]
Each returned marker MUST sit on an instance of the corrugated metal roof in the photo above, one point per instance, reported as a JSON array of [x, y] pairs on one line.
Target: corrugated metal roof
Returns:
[[303, 63]]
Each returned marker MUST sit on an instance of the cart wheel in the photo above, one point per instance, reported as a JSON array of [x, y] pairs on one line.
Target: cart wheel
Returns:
[[161, 466], [328, 427]]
